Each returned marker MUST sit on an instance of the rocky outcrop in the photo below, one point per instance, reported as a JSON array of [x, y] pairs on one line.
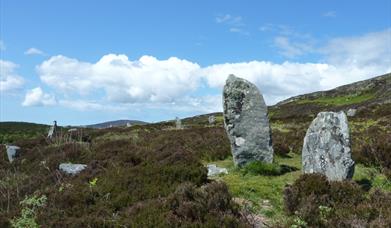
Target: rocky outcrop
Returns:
[[71, 169], [246, 122], [12, 152], [326, 147]]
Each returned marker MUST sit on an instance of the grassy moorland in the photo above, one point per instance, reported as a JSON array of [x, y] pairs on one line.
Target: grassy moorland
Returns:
[[155, 175]]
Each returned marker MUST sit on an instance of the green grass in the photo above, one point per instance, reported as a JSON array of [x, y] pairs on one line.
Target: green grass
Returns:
[[258, 188], [340, 100]]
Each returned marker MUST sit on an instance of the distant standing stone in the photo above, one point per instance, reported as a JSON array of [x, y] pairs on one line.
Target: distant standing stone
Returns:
[[12, 152], [72, 169], [326, 147], [351, 112], [246, 122], [178, 123], [212, 119], [53, 130]]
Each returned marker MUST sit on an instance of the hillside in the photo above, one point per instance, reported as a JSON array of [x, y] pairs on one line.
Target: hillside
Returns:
[[12, 131], [154, 175], [116, 123]]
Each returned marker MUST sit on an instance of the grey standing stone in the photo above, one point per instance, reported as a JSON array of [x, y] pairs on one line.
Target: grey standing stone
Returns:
[[212, 119], [351, 112], [12, 152], [178, 123], [326, 147], [213, 170], [246, 122], [53, 130], [72, 169]]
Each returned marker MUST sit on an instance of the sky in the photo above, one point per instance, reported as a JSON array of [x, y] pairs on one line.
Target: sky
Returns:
[[84, 62]]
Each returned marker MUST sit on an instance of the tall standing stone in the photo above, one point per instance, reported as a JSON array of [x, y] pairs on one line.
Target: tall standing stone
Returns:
[[326, 147], [246, 122]]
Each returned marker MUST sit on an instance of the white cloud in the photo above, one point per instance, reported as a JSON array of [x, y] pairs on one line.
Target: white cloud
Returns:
[[291, 49], [34, 51], [329, 14], [9, 79], [289, 42], [147, 79], [235, 23], [36, 97], [371, 49], [117, 83]]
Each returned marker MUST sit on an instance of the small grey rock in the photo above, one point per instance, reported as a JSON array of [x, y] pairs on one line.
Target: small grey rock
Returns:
[[326, 147], [351, 112], [246, 122], [212, 119], [72, 169], [213, 170], [12, 152]]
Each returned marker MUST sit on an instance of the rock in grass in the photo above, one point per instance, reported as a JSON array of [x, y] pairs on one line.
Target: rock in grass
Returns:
[[212, 119], [326, 147], [351, 112], [12, 152], [246, 122], [213, 170], [72, 169]]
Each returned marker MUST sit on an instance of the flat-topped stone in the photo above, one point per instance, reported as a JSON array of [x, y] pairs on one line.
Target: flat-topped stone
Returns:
[[72, 169], [213, 170]]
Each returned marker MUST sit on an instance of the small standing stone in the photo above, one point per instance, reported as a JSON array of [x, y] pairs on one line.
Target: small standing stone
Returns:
[[12, 152], [53, 130], [178, 123], [326, 147], [212, 119], [72, 169], [246, 122]]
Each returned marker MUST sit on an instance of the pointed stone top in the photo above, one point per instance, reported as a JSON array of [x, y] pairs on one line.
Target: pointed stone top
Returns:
[[231, 77]]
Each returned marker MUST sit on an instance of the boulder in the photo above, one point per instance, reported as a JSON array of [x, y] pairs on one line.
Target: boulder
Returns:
[[326, 147], [71, 169], [12, 152], [246, 122], [213, 170]]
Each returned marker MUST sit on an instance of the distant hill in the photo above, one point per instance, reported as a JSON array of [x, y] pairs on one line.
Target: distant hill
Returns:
[[116, 123], [373, 89]]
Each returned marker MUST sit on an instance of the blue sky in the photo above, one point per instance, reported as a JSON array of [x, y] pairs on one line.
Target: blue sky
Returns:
[[83, 62]]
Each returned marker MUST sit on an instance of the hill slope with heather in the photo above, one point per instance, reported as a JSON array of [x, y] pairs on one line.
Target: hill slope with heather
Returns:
[[154, 175]]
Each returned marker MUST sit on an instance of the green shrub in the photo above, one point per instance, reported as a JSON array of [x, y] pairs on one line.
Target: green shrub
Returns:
[[29, 211], [262, 168]]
